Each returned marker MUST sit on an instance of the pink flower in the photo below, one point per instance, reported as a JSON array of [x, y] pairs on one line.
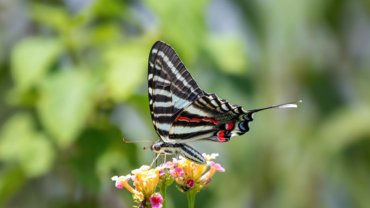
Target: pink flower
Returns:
[[169, 164], [190, 183], [163, 168], [161, 172], [216, 166], [156, 200], [122, 182], [177, 172]]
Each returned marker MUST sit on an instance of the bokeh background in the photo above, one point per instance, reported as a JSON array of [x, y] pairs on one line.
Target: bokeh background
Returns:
[[73, 84]]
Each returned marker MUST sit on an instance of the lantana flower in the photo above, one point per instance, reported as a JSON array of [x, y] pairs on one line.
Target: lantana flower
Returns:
[[122, 182], [156, 200], [145, 181], [189, 176]]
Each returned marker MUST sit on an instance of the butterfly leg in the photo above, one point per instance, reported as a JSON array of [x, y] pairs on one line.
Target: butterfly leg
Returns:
[[155, 160], [164, 158]]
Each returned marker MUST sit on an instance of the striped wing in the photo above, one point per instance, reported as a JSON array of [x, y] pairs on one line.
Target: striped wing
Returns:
[[214, 119], [210, 118], [171, 87]]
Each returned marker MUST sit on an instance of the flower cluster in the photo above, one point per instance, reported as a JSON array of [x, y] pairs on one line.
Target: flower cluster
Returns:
[[189, 176], [145, 181]]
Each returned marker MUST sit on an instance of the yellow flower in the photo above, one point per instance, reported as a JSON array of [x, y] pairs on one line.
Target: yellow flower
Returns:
[[145, 181], [195, 175], [187, 174], [191, 169]]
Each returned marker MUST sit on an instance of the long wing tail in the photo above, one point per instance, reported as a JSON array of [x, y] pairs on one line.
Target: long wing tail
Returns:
[[284, 105], [242, 125]]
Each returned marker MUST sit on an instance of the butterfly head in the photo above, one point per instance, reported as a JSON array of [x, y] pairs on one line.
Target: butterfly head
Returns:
[[156, 147], [161, 147]]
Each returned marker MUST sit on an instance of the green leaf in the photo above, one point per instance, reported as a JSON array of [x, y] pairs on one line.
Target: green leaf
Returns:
[[184, 28], [20, 142], [127, 68], [53, 16], [32, 58], [11, 180], [228, 53], [346, 127], [65, 103], [104, 34], [108, 8]]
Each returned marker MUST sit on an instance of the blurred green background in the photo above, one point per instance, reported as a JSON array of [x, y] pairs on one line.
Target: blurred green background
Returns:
[[73, 84]]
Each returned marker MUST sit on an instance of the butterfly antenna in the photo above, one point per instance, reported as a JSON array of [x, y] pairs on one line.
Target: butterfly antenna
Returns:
[[284, 105], [134, 142]]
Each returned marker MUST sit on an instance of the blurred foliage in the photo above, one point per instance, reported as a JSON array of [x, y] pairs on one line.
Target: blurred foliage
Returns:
[[73, 84]]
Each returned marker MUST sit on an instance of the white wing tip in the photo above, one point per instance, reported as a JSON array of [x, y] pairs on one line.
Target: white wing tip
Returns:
[[290, 105]]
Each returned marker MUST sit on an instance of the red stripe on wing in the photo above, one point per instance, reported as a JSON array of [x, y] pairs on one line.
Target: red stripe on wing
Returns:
[[182, 118]]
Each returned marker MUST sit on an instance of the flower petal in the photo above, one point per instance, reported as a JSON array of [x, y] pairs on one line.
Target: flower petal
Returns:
[[216, 166], [122, 182], [177, 172], [210, 157], [156, 200]]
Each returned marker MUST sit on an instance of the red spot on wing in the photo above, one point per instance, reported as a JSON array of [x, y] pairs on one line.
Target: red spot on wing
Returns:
[[229, 126], [221, 136], [183, 118]]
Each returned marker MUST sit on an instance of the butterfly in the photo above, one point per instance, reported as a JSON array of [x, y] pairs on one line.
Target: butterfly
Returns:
[[181, 112]]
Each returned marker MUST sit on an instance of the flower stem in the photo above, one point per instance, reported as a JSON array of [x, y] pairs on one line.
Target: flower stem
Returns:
[[162, 189], [190, 195]]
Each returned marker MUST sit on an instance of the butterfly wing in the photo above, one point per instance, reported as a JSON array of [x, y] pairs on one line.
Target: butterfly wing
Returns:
[[209, 118], [171, 87], [181, 112], [214, 119]]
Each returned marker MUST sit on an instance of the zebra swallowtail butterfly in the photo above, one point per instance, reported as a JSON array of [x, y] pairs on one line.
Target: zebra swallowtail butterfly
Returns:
[[181, 112]]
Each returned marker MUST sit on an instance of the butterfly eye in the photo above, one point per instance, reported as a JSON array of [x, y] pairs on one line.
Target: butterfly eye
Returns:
[[156, 147]]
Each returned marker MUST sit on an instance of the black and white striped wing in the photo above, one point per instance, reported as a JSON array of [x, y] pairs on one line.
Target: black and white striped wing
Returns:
[[209, 118], [171, 87], [214, 119]]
